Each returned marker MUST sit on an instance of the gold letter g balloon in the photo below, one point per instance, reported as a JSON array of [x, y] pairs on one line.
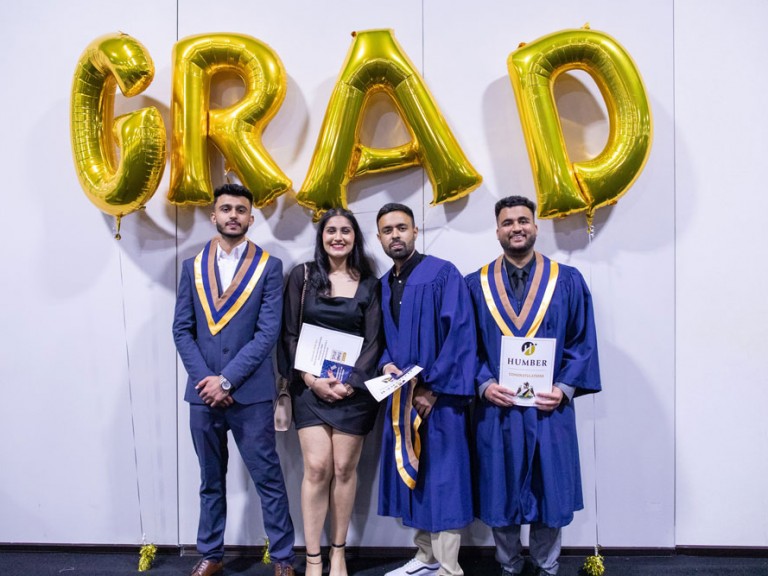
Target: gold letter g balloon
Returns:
[[115, 187]]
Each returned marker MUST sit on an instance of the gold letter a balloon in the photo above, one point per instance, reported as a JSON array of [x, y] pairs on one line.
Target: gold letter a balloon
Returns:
[[377, 63], [564, 188], [115, 187]]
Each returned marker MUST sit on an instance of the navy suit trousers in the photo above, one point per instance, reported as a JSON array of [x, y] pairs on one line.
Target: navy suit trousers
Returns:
[[252, 427]]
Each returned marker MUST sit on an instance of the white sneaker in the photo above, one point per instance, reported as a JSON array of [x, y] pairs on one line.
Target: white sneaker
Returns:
[[416, 568]]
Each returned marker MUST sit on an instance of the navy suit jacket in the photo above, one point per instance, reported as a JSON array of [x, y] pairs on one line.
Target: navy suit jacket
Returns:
[[242, 350]]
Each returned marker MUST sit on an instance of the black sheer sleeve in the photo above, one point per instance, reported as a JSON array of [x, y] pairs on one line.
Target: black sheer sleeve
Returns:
[[373, 340], [289, 336]]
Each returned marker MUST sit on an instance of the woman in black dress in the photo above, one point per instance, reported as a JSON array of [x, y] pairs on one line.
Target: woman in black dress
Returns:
[[342, 293]]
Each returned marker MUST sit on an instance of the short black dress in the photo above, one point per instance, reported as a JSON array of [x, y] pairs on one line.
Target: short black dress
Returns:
[[359, 315]]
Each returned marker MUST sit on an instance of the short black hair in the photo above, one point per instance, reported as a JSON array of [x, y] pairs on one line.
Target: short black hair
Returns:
[[233, 190], [512, 201], [394, 207]]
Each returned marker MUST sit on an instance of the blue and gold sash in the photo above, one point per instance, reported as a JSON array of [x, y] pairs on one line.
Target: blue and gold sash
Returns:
[[405, 425], [221, 309], [495, 283]]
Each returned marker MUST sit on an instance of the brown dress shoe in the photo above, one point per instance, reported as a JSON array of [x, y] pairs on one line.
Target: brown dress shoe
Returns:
[[207, 568], [284, 570]]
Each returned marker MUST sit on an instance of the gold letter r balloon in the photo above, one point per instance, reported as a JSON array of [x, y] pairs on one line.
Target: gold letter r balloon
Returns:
[[236, 130], [564, 188]]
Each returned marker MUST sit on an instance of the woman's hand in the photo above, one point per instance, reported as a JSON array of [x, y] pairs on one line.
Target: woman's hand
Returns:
[[327, 389]]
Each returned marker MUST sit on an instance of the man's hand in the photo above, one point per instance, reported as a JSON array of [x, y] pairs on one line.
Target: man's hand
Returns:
[[548, 401], [497, 394], [391, 369], [423, 401], [209, 389]]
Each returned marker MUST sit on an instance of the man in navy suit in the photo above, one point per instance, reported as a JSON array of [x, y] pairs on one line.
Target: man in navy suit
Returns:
[[226, 323]]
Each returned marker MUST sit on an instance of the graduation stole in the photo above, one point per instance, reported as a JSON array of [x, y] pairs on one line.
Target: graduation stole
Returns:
[[405, 419], [495, 283], [405, 425], [221, 309]]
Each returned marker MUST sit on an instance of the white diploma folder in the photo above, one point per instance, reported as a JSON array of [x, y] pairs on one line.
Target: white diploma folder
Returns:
[[527, 366], [316, 345]]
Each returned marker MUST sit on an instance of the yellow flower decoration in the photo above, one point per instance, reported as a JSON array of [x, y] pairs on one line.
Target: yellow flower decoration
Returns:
[[146, 557], [593, 565], [266, 559]]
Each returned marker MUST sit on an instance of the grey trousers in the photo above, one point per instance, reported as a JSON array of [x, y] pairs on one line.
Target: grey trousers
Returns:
[[544, 546]]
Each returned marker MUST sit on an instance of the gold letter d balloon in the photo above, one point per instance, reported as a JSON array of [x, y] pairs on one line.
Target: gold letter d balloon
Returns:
[[564, 188]]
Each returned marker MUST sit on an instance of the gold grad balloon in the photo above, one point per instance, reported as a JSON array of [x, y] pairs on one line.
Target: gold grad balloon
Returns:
[[116, 187], [377, 63], [236, 130], [562, 187]]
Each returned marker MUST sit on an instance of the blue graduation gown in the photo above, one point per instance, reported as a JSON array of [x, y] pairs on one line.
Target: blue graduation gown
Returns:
[[437, 332], [527, 461]]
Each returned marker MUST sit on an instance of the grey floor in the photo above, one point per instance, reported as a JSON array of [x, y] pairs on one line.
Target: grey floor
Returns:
[[79, 563]]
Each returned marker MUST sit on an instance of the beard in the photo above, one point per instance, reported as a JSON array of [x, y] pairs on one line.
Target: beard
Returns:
[[226, 234], [400, 252], [518, 250]]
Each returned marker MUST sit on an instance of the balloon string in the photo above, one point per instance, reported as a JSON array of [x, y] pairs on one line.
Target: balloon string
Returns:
[[591, 232], [118, 220], [176, 236], [130, 397], [176, 283], [594, 450]]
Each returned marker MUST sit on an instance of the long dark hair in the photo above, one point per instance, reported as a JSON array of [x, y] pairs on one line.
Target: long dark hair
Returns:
[[357, 261]]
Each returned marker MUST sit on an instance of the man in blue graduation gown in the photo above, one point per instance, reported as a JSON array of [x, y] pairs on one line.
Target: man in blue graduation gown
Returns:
[[527, 458], [227, 321], [424, 472]]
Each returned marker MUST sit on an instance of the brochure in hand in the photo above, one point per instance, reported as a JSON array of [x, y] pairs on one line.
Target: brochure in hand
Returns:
[[336, 370], [317, 345], [383, 386], [526, 367]]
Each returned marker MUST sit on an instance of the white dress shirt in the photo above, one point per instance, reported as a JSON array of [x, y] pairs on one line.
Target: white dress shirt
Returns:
[[227, 263]]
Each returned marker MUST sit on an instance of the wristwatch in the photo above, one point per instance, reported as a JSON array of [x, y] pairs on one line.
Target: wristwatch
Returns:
[[226, 385]]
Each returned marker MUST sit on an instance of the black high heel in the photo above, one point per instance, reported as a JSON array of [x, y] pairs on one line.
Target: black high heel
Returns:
[[342, 560]]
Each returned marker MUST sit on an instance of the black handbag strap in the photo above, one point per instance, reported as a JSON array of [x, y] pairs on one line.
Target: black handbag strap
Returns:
[[303, 294]]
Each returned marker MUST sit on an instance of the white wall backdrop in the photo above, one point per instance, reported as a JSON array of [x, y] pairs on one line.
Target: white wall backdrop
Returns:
[[721, 142], [95, 444]]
